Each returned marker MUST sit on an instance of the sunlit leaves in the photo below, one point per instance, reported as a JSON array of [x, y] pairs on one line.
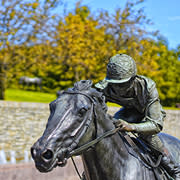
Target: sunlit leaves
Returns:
[[22, 23], [62, 50]]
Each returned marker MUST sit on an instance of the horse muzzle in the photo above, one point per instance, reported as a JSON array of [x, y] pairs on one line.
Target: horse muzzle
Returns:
[[46, 159]]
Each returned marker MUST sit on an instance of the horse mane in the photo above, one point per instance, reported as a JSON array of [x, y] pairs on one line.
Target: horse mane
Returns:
[[86, 86], [82, 85]]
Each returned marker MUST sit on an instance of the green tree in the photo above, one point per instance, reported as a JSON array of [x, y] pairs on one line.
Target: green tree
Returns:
[[168, 82], [82, 47], [22, 22], [78, 45], [126, 28]]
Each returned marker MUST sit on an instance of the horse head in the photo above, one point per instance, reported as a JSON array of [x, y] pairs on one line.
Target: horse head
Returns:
[[71, 124]]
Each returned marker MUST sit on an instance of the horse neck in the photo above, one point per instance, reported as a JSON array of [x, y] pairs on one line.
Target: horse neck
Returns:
[[104, 124], [109, 152]]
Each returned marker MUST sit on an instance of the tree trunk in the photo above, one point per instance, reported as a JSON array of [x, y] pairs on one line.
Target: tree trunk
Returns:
[[2, 81]]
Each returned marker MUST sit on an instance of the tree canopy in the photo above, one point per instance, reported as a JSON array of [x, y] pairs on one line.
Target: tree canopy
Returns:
[[62, 49]]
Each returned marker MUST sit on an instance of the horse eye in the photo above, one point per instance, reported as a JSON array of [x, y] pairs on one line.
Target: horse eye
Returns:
[[82, 111]]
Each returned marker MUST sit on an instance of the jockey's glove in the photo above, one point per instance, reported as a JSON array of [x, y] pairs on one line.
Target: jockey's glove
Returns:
[[148, 127], [123, 125]]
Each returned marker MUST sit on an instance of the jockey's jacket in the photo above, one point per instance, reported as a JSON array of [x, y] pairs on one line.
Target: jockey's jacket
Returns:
[[142, 96]]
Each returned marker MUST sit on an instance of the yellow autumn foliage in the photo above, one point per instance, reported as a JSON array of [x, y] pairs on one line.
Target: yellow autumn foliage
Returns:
[[78, 45]]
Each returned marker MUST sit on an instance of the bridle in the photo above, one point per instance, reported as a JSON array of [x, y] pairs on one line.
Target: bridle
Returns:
[[90, 144]]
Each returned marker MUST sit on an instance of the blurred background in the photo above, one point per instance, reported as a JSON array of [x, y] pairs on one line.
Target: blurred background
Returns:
[[48, 45]]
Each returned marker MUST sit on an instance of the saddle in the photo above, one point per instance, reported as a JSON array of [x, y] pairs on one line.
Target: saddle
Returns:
[[149, 156]]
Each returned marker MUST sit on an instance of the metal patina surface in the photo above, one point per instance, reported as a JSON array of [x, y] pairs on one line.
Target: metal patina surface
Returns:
[[79, 115]]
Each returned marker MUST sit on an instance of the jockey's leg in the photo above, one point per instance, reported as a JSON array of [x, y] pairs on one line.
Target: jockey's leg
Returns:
[[132, 116], [169, 164], [167, 161]]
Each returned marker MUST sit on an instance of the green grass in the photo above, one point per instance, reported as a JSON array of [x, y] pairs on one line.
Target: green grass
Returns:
[[33, 96], [28, 96], [113, 104], [170, 108], [164, 107]]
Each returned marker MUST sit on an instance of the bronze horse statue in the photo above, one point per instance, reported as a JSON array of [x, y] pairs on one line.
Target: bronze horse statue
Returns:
[[79, 125]]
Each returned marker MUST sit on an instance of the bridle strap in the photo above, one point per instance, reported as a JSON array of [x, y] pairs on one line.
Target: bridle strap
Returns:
[[149, 162], [93, 142], [70, 91], [96, 140]]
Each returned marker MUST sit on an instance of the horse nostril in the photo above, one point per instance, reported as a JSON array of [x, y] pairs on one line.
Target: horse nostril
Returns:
[[33, 152], [48, 154]]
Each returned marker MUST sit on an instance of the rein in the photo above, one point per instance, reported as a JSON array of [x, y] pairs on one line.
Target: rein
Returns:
[[89, 145], [93, 142]]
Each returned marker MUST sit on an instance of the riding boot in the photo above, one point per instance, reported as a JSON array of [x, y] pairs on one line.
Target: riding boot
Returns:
[[172, 168]]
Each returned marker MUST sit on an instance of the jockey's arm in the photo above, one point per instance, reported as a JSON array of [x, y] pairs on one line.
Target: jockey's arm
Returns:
[[152, 123], [154, 114], [153, 120]]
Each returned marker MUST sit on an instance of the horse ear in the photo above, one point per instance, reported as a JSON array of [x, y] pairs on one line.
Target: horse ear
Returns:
[[98, 96], [83, 85], [58, 93], [103, 103]]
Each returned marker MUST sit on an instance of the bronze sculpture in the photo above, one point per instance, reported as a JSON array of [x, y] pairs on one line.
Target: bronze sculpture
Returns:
[[142, 112], [78, 124]]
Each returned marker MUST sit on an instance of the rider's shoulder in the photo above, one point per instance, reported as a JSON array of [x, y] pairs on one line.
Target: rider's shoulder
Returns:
[[145, 81]]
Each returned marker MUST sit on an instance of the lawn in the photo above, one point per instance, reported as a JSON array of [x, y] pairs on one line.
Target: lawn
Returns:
[[28, 96], [33, 96]]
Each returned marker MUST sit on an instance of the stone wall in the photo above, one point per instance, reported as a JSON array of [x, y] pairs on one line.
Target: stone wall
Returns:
[[21, 124]]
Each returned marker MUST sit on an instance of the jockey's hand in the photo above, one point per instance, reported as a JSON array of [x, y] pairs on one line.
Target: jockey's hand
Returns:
[[123, 125]]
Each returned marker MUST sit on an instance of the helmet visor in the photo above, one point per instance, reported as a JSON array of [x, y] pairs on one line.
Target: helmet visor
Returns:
[[117, 81]]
